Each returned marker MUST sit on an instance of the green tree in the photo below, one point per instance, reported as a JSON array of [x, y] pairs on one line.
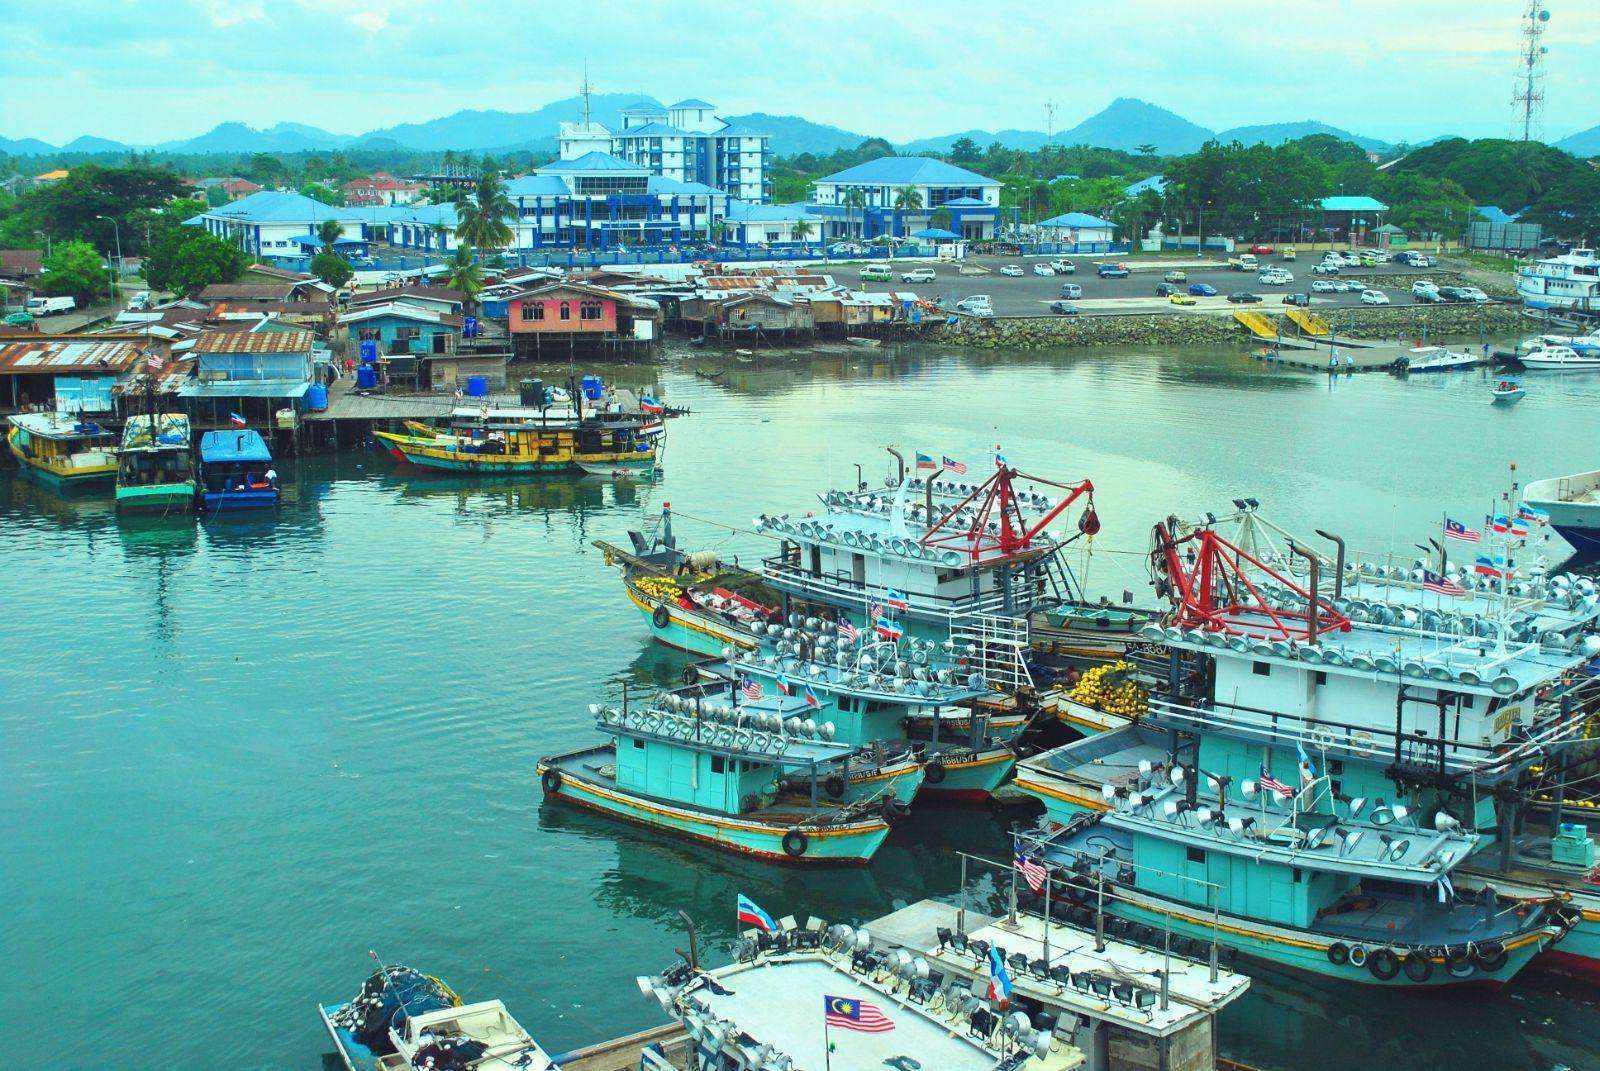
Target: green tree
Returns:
[[965, 152], [801, 231], [76, 268], [330, 230], [264, 169], [327, 193], [331, 268], [461, 272], [183, 208], [906, 199], [186, 260], [482, 219], [940, 219], [854, 200]]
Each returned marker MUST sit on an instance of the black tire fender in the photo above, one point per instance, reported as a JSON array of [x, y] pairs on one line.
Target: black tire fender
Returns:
[[795, 843], [834, 786], [551, 780], [1383, 964], [1490, 956], [933, 772], [1338, 953], [661, 617], [1417, 965], [691, 675]]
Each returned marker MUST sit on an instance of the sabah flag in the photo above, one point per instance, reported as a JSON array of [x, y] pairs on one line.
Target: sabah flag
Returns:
[[896, 599], [888, 629], [925, 462], [749, 912], [237, 421], [784, 686], [999, 979]]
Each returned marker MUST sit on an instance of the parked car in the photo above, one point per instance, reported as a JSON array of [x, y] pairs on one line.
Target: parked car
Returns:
[[1350, 286], [1297, 299], [1176, 275], [1244, 297], [1425, 290], [1262, 250], [1453, 293], [1326, 268], [1063, 267], [1165, 290], [877, 273], [1374, 297], [1011, 270], [1274, 278], [1475, 294], [1323, 286], [976, 305], [1111, 271], [918, 275], [1181, 299], [1202, 290], [1071, 290], [140, 301], [1043, 269], [1064, 308], [1288, 253]]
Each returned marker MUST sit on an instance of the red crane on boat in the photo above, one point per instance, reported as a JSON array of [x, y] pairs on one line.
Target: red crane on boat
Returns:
[[997, 500]]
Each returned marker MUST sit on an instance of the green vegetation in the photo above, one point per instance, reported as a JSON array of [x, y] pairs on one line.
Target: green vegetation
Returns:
[[186, 260], [462, 272], [481, 220], [76, 268], [331, 268]]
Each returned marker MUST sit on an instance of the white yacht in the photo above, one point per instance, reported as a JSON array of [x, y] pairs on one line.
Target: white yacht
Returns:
[[1559, 357], [1568, 281], [1587, 345]]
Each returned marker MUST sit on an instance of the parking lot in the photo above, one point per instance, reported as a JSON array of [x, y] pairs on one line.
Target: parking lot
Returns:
[[1030, 295]]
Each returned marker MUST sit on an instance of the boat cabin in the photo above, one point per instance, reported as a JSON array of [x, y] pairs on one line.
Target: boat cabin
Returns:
[[65, 447], [236, 470]]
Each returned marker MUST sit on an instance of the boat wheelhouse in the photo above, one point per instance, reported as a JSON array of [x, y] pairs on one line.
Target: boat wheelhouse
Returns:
[[698, 765], [1568, 281], [66, 450], [403, 1019], [953, 557], [236, 471], [155, 470]]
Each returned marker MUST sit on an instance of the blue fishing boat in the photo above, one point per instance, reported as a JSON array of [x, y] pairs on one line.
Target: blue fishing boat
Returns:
[[1342, 761], [699, 763], [236, 471], [403, 1019]]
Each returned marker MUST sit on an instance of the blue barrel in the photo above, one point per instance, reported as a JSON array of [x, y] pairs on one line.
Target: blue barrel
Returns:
[[593, 388], [477, 387], [366, 377], [369, 350], [317, 398]]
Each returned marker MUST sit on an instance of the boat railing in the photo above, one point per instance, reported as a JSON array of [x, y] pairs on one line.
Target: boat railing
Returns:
[[839, 586]]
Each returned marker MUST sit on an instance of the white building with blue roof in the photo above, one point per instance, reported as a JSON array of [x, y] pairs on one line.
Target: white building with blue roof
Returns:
[[685, 142], [886, 185]]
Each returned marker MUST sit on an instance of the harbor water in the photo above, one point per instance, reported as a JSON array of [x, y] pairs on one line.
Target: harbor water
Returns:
[[236, 755]]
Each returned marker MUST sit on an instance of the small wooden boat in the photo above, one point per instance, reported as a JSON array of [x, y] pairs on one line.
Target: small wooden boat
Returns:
[[403, 1019], [1507, 392], [869, 342], [236, 471], [64, 449], [155, 472]]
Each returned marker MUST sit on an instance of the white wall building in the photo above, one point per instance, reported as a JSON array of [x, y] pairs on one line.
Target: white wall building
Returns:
[[685, 142]]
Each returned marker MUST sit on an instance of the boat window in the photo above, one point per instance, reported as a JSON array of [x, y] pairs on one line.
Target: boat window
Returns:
[[1261, 669], [1320, 676], [847, 704], [638, 743], [1195, 855], [718, 764], [1299, 877]]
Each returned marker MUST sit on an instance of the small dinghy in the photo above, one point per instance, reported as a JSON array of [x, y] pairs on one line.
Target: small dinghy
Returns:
[[1507, 392]]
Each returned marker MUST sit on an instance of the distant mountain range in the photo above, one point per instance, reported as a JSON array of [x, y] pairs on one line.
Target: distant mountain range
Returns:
[[1126, 123]]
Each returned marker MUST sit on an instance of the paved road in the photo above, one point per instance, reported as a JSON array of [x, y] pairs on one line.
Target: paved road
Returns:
[[1031, 294]]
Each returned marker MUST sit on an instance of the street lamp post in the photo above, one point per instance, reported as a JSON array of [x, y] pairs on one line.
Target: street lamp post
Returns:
[[116, 277]]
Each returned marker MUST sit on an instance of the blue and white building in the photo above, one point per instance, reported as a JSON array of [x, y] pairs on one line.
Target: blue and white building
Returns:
[[972, 200], [685, 142]]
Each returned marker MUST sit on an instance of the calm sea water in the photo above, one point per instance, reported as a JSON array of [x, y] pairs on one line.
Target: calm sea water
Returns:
[[237, 755]]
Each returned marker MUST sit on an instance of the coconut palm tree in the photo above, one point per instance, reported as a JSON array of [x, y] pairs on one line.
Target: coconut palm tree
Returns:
[[461, 272], [801, 231], [329, 231], [854, 200], [482, 218], [906, 199]]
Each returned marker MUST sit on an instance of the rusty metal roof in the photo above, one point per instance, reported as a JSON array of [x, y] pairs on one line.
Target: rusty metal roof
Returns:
[[175, 372], [65, 356], [213, 341]]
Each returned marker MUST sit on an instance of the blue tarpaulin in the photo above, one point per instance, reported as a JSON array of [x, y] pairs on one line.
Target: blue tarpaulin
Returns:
[[247, 445]]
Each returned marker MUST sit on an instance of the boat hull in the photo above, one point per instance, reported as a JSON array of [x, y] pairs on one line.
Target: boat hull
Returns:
[[1063, 800], [853, 843], [1573, 504], [690, 630], [1303, 950], [353, 1055], [968, 780], [215, 501], [60, 476], [156, 498]]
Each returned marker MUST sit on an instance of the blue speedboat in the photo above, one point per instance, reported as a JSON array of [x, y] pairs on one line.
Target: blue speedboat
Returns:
[[236, 471]]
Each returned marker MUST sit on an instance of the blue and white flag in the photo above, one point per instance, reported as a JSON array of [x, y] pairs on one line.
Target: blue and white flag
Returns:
[[999, 979], [1308, 771]]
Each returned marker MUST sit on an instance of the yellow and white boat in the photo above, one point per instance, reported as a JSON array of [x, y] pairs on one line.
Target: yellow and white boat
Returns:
[[64, 449], [526, 440]]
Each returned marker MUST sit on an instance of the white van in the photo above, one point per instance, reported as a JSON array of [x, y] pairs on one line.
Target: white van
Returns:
[[45, 306]]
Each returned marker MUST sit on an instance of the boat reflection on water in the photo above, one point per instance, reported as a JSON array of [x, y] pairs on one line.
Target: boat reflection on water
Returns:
[[156, 534], [515, 494], [67, 505]]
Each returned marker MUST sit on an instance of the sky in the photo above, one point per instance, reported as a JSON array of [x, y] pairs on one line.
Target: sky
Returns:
[[143, 71]]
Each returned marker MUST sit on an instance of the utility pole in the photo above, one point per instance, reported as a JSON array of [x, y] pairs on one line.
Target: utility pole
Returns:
[[116, 273]]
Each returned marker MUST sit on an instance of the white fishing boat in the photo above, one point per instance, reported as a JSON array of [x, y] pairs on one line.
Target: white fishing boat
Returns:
[[1568, 281], [1507, 392], [1560, 358], [1437, 359], [1584, 345], [1573, 503]]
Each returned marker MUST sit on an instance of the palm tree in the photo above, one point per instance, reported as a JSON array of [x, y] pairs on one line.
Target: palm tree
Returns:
[[801, 230], [461, 272], [482, 218], [906, 199], [940, 218], [329, 231], [1146, 150], [854, 200], [448, 164]]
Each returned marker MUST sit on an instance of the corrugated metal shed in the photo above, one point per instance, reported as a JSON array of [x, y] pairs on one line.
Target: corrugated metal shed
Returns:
[[46, 356], [294, 341]]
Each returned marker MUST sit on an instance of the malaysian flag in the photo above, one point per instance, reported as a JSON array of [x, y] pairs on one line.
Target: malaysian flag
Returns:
[[847, 632], [1441, 584], [874, 611], [153, 362], [1031, 872], [1457, 530], [749, 688], [954, 466], [853, 1014], [1272, 784]]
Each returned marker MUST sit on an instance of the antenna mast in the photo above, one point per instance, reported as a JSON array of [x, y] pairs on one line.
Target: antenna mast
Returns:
[[1050, 123], [584, 92], [1529, 97]]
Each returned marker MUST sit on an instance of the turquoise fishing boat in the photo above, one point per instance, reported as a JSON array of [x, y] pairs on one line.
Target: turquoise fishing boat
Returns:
[[155, 469], [700, 764], [1325, 704]]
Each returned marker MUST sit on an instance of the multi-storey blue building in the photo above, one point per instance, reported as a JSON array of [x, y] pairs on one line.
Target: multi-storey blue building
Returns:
[[684, 142]]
